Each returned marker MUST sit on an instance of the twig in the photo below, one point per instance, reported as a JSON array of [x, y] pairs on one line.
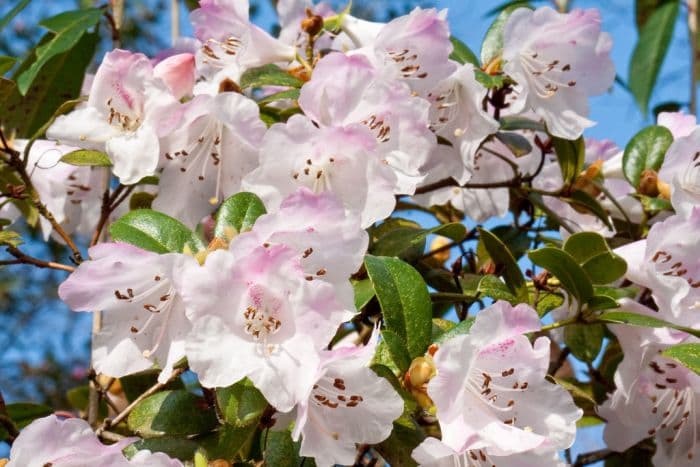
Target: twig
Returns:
[[174, 21], [15, 161], [9, 426], [592, 457], [127, 410], [559, 362], [26, 259], [111, 436], [448, 182]]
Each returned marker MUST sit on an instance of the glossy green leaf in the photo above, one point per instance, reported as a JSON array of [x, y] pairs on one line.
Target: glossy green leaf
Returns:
[[154, 231], [572, 277], [571, 156], [292, 94], [22, 414], [501, 256], [281, 451], [546, 301], [227, 440], [653, 206], [136, 384], [493, 287], [404, 299], [687, 354], [237, 214], [364, 292], [584, 340], [241, 404], [583, 246], [643, 10], [171, 413], [601, 302], [177, 447], [397, 350], [514, 122], [634, 319], [6, 63], [461, 53], [19, 6], [491, 81], [406, 240], [269, 75], [605, 268], [650, 51], [463, 327], [141, 200], [87, 157], [646, 150], [404, 438], [68, 28]]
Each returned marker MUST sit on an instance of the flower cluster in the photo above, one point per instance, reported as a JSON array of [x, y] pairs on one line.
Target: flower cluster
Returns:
[[328, 127]]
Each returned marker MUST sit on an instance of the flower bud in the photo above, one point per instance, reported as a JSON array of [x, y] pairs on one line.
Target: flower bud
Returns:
[[664, 190], [422, 369], [312, 25], [229, 85], [442, 256], [648, 183], [219, 463], [3, 462]]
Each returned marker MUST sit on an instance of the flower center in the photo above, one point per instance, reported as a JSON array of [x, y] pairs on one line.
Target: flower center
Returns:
[[548, 76], [315, 175]]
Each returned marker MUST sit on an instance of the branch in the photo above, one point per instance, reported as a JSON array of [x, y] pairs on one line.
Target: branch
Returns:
[[448, 182], [26, 259], [592, 457], [16, 162]]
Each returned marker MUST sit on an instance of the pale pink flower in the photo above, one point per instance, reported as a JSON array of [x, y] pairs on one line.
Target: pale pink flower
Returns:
[[680, 123], [681, 170], [338, 160], [348, 405], [144, 321], [50, 441], [654, 397], [433, 453], [258, 316], [490, 389], [207, 155], [346, 90], [178, 74], [559, 60]]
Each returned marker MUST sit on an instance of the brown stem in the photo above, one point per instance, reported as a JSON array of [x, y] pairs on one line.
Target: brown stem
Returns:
[[448, 182], [592, 457], [26, 259]]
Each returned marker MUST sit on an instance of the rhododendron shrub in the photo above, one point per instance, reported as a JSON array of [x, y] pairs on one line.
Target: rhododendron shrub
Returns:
[[237, 214]]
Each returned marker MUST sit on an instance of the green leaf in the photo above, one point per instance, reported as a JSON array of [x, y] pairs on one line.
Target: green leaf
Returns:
[[643, 10], [687, 354], [646, 150], [601, 302], [6, 63], [571, 156], [514, 122], [546, 301], [584, 340], [21, 5], [141, 200], [178, 447], [241, 404], [518, 144], [154, 231], [69, 28], [591, 251], [650, 51], [397, 350], [281, 451], [269, 75], [463, 327], [634, 319], [238, 214], [226, 441], [171, 413], [405, 239], [136, 384], [491, 81], [59, 80], [404, 438], [572, 277], [501, 256], [10, 238], [364, 292], [492, 46], [461, 53], [492, 286], [404, 299], [87, 157], [22, 414], [278, 96], [653, 206]]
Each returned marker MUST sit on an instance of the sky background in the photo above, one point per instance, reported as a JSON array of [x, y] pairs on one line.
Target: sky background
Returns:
[[616, 115]]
